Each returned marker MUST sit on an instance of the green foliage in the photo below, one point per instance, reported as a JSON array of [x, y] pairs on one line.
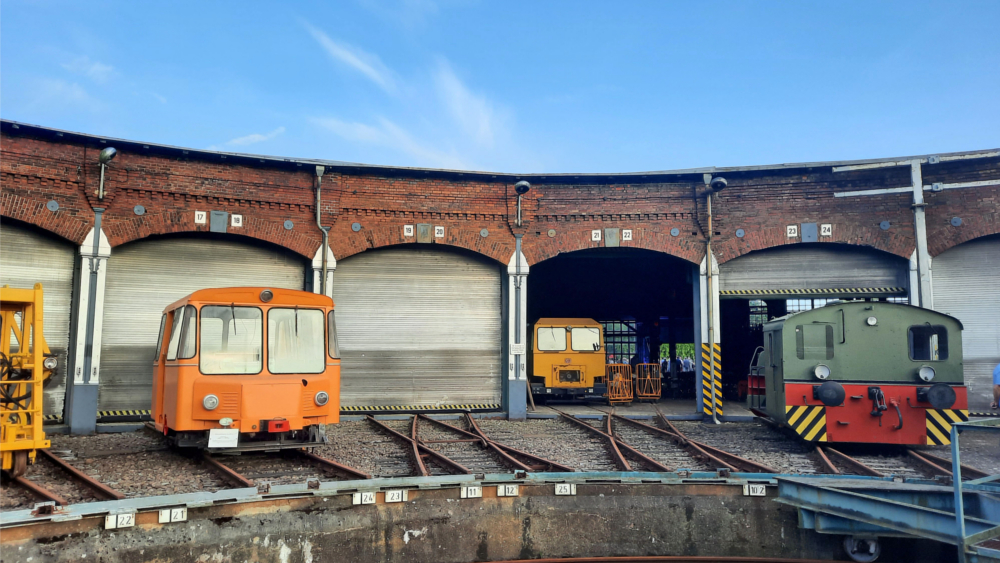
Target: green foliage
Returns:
[[683, 350]]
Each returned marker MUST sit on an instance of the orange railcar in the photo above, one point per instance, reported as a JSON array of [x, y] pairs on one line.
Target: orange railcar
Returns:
[[247, 368]]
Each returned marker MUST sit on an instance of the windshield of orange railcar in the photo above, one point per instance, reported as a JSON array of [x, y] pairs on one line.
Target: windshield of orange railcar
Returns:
[[231, 340], [586, 338], [295, 341], [551, 339]]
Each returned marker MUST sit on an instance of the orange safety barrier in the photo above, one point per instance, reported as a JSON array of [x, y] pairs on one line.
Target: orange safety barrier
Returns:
[[647, 382], [619, 380]]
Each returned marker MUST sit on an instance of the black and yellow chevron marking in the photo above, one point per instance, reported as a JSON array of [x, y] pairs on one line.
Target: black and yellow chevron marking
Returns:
[[411, 408], [711, 387], [815, 291], [809, 422], [102, 414], [939, 423], [52, 418]]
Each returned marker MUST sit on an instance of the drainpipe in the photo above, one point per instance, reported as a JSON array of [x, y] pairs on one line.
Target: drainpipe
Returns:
[[517, 301], [324, 230], [920, 228]]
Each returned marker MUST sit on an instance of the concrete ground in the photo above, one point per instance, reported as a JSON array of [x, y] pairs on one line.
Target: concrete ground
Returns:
[[673, 409]]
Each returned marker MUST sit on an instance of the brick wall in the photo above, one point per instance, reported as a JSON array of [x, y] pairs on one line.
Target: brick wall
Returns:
[[558, 213]]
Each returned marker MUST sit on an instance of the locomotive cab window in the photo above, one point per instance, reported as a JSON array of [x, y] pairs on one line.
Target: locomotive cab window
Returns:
[[585, 339], [814, 341], [231, 340], [928, 343], [295, 341], [332, 330], [182, 334], [159, 339], [551, 339]]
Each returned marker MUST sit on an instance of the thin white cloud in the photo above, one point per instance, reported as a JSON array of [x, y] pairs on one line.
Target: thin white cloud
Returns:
[[366, 63], [473, 113], [94, 70], [387, 134], [254, 138], [54, 93]]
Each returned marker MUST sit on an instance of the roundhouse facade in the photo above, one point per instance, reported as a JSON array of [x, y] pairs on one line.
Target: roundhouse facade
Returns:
[[423, 262]]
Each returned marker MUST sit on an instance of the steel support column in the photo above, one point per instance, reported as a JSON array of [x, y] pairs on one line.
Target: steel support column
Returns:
[[515, 395], [920, 233], [709, 396], [83, 378], [317, 271]]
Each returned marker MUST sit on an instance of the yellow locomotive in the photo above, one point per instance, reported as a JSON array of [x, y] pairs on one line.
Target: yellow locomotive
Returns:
[[567, 357]]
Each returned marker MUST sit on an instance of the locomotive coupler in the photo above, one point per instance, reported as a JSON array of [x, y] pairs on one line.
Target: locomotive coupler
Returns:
[[878, 402]]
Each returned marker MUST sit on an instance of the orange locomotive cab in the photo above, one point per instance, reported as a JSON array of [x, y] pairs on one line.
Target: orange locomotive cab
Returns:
[[248, 368]]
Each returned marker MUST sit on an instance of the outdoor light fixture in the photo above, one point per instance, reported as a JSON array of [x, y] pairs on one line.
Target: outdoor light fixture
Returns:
[[926, 373], [521, 188], [210, 402], [107, 155]]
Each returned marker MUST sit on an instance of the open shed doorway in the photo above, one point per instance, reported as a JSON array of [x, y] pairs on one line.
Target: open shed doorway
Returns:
[[642, 298]]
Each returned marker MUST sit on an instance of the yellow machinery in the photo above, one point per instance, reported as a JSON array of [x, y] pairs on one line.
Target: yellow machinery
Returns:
[[567, 357], [25, 362]]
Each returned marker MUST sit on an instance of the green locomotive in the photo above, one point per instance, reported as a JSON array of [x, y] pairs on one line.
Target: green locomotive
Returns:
[[862, 371]]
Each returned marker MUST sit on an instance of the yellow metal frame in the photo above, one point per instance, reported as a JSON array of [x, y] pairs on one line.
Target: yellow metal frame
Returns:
[[619, 381], [647, 382], [22, 433]]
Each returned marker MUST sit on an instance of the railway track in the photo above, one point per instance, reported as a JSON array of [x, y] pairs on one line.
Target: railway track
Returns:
[[91, 468]]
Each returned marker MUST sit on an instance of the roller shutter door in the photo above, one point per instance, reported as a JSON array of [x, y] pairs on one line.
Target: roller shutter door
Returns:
[[966, 282], [814, 270], [418, 327], [28, 257], [146, 276]]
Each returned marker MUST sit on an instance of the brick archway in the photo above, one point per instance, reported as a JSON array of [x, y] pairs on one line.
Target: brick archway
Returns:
[[898, 241], [538, 248], [59, 223], [498, 245]]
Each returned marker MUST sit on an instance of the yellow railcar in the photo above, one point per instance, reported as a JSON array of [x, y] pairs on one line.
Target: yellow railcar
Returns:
[[25, 363], [567, 357]]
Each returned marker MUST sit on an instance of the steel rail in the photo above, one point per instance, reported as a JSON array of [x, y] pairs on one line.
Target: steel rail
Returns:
[[334, 466], [453, 429], [666, 559], [732, 461], [927, 464], [226, 472], [39, 491], [619, 459], [853, 463], [101, 489], [418, 448], [971, 472], [641, 456], [826, 461], [676, 437], [505, 452]]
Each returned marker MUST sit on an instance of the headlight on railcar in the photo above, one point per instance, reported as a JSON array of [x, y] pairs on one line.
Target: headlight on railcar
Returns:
[[50, 363], [322, 398], [926, 373], [821, 371], [210, 402]]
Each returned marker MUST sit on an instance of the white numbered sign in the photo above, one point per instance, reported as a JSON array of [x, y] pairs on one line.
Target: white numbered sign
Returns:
[[565, 489], [407, 230], [826, 230], [395, 496], [792, 231], [363, 498], [627, 234], [595, 235], [506, 490], [439, 232], [200, 217], [112, 521], [236, 220], [472, 491], [168, 515], [754, 490]]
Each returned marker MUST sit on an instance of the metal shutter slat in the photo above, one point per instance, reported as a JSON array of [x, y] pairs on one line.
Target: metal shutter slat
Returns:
[[418, 327], [28, 257]]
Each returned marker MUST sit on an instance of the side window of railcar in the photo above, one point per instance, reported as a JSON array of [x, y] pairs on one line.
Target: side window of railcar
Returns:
[[159, 339], [928, 343], [585, 339], [334, 345], [551, 338], [189, 333], [175, 333], [295, 341], [231, 340], [814, 341]]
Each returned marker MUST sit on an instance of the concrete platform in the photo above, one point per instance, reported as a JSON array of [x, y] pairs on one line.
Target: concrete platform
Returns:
[[673, 409]]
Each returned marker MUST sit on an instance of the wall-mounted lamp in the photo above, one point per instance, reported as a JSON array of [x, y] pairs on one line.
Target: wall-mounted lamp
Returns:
[[521, 188], [107, 155]]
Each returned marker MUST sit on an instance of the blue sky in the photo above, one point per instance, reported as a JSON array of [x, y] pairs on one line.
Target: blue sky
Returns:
[[514, 87]]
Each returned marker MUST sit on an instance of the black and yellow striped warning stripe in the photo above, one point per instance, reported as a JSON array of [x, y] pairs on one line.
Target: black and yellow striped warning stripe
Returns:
[[939, 423], [815, 291], [411, 408], [807, 421], [711, 387], [103, 414]]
